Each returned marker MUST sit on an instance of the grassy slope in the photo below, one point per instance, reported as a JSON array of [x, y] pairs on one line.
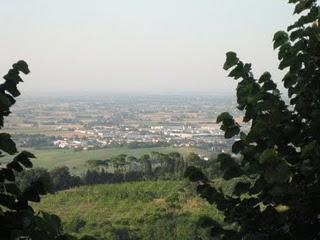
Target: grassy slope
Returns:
[[155, 210], [76, 161]]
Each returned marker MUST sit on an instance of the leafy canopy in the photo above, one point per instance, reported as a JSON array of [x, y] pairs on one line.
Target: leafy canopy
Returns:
[[17, 218], [280, 155]]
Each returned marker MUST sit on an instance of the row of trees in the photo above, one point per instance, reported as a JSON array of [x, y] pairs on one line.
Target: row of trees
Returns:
[[121, 168], [173, 163], [156, 165], [53, 181]]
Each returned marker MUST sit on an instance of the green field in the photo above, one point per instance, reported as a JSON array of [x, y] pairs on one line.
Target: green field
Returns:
[[156, 210], [76, 161]]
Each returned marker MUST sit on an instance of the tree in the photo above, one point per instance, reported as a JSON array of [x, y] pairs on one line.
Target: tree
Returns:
[[14, 203], [156, 157], [62, 179], [133, 163], [176, 161], [17, 218], [193, 159], [119, 163], [26, 178], [98, 163], [277, 191], [147, 165]]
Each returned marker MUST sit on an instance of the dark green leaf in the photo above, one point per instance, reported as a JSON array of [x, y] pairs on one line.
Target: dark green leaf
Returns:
[[12, 189], [231, 60], [224, 116], [279, 39], [303, 5], [15, 166], [265, 77], [238, 146], [11, 87], [21, 66], [231, 132], [269, 156], [7, 144], [241, 188], [8, 174], [232, 173], [23, 158]]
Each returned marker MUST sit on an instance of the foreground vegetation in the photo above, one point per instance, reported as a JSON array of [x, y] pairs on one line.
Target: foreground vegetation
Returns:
[[280, 153], [141, 210]]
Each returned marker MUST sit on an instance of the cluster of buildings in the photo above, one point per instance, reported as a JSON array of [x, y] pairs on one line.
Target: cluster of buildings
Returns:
[[208, 137], [91, 122]]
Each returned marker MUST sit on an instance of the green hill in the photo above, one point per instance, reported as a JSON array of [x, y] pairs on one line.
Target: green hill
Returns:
[[142, 210]]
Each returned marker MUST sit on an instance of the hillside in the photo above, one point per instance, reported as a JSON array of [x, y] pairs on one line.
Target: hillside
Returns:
[[141, 210]]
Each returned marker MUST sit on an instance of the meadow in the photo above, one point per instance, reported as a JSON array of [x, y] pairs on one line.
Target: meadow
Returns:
[[163, 210]]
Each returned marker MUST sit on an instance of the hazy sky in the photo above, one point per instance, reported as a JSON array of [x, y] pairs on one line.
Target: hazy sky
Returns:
[[137, 45]]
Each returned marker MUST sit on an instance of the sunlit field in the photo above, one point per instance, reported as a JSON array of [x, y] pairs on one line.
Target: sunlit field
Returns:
[[150, 210]]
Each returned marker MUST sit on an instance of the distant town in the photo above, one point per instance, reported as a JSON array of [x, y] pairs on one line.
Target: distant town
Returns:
[[93, 122]]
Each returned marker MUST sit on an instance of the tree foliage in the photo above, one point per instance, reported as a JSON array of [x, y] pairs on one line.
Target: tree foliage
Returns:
[[15, 213], [25, 179], [17, 218], [280, 153]]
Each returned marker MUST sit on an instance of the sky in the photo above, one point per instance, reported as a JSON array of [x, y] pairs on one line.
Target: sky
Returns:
[[140, 46]]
